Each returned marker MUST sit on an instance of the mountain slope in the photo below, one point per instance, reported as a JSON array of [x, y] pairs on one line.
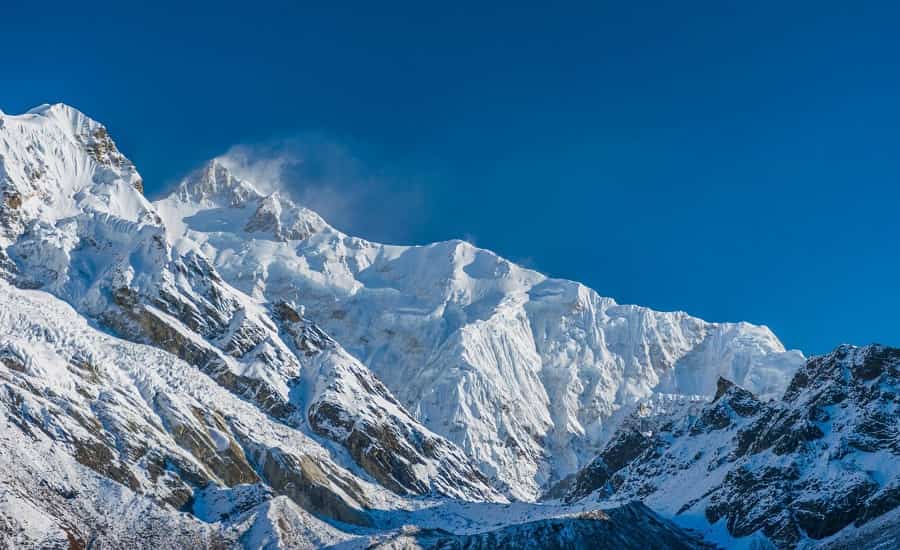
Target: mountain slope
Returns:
[[527, 374], [96, 428], [82, 231], [107, 443], [632, 526], [823, 457]]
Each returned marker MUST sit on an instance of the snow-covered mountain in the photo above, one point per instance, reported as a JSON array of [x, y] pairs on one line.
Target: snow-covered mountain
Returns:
[[221, 367], [523, 372], [82, 231], [106, 443]]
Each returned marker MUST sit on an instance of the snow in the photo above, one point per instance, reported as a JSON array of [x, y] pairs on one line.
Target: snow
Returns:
[[220, 439], [61, 163]]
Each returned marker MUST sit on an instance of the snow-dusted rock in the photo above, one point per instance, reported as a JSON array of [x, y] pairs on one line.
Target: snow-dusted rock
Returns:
[[93, 425], [629, 527], [823, 457]]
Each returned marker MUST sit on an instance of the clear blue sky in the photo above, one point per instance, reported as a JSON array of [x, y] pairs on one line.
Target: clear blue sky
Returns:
[[736, 160]]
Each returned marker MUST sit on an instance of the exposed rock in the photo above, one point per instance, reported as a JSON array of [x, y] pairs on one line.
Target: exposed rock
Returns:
[[100, 458], [224, 459], [808, 465], [385, 440], [626, 445], [304, 481]]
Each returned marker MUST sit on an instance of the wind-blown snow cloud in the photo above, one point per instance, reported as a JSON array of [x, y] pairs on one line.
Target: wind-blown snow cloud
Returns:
[[325, 176], [252, 164]]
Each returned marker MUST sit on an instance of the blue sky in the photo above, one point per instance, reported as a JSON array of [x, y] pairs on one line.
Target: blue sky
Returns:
[[738, 162]]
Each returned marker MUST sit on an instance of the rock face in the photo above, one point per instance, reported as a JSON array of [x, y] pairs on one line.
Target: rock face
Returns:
[[822, 458], [880, 533], [626, 445]]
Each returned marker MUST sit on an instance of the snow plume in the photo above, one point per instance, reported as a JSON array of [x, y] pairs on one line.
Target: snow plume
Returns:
[[264, 171], [325, 176]]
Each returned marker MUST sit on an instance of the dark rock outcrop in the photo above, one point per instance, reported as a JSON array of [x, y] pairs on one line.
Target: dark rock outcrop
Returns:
[[629, 527]]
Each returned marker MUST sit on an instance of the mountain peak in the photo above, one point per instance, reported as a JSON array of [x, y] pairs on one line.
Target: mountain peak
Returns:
[[214, 184], [52, 108], [56, 161], [67, 117], [283, 219], [722, 386]]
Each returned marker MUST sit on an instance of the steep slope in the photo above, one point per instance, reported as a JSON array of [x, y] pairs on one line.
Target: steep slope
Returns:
[[56, 163], [104, 438], [634, 435], [81, 230], [882, 533], [824, 457], [527, 374]]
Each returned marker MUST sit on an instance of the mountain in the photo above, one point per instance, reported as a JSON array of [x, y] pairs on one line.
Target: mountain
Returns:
[[222, 368], [525, 373], [112, 444], [799, 469], [84, 232]]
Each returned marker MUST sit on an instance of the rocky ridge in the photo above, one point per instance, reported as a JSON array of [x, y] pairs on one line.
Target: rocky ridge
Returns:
[[799, 469]]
